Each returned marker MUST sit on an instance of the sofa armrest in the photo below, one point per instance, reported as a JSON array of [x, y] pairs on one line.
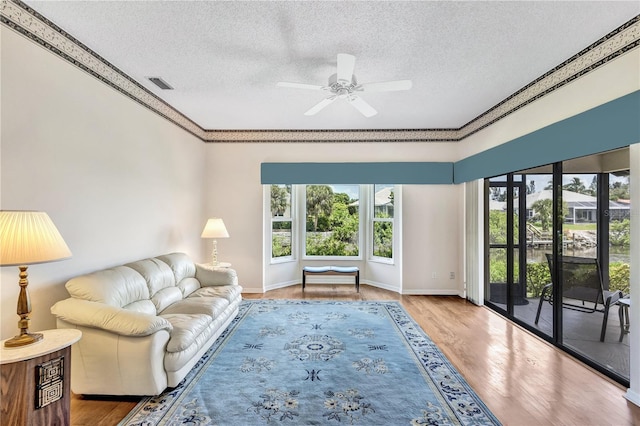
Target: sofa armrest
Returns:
[[110, 318], [209, 276]]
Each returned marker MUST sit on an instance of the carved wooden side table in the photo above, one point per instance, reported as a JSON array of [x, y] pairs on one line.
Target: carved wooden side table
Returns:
[[36, 386]]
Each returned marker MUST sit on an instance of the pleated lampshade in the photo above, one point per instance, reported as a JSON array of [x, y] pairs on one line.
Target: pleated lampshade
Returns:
[[29, 237]]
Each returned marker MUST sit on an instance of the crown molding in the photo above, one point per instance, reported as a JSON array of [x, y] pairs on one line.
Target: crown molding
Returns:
[[21, 18]]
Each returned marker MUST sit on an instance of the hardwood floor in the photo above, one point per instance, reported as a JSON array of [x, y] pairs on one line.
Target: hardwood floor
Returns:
[[521, 378]]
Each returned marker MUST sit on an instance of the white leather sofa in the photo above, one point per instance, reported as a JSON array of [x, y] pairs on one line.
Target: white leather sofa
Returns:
[[145, 324]]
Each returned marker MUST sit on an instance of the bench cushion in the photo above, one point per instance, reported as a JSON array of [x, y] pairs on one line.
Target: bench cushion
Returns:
[[336, 269], [344, 269], [316, 269]]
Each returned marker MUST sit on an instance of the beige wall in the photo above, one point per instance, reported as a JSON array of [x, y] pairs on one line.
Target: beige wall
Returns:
[[430, 213], [119, 182]]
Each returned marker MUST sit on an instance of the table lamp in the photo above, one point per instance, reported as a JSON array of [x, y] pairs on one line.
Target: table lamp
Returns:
[[215, 229], [26, 238]]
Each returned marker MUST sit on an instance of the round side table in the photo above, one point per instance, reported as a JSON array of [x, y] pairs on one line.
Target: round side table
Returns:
[[36, 386]]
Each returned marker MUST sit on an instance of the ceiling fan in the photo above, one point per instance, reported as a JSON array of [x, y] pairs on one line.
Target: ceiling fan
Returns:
[[343, 85]]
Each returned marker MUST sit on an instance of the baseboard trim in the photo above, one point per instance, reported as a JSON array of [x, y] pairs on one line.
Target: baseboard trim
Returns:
[[633, 397], [252, 289], [281, 285], [432, 292], [383, 286]]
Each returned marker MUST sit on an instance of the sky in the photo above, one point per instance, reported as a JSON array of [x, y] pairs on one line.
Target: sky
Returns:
[[352, 190], [541, 181]]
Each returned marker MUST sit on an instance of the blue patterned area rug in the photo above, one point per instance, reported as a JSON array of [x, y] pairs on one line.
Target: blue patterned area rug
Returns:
[[319, 363]]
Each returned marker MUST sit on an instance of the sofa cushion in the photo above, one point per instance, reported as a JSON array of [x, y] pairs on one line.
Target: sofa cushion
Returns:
[[166, 297], [176, 361], [210, 276], [142, 306], [119, 286], [212, 306], [188, 286], [160, 280], [184, 271], [228, 292], [186, 329], [157, 274]]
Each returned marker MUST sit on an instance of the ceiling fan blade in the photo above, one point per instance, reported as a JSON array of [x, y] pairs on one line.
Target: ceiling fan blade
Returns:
[[366, 109], [346, 63], [299, 85], [321, 105], [385, 86]]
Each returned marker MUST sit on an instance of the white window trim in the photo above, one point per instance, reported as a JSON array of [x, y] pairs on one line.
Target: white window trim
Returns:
[[291, 218], [372, 219]]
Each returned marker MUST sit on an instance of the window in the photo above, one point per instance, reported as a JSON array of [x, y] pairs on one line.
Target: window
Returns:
[[382, 221], [281, 222], [332, 220]]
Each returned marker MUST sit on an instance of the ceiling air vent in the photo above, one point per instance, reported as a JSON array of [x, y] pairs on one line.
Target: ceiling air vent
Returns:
[[160, 83]]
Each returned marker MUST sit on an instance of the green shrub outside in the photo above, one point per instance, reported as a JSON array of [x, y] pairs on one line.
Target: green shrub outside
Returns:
[[498, 271], [620, 233], [280, 245], [383, 239], [319, 245], [538, 276], [619, 277]]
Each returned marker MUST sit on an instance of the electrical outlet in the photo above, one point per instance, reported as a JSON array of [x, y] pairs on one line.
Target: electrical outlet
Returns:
[[452, 275], [434, 275]]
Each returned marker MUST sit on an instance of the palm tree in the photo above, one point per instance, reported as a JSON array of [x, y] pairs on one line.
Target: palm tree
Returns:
[[575, 185], [280, 196], [319, 202]]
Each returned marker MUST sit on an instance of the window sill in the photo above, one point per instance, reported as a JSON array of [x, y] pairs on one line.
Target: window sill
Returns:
[[282, 260], [382, 260], [334, 258]]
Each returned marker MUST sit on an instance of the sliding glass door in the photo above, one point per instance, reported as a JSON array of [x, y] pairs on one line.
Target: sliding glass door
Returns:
[[506, 257], [561, 233]]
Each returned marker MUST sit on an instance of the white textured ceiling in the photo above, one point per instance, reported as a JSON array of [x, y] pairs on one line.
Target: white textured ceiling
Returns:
[[224, 58]]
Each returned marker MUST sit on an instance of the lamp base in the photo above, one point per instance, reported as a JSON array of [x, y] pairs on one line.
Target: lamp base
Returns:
[[23, 340], [214, 253]]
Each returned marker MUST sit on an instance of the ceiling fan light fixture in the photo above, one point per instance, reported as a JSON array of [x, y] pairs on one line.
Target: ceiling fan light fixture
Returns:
[[343, 92], [343, 84]]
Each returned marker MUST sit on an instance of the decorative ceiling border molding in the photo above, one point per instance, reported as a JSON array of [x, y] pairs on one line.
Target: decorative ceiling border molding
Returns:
[[26, 21], [328, 136]]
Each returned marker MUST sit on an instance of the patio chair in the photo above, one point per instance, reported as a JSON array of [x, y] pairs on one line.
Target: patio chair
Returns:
[[582, 288]]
